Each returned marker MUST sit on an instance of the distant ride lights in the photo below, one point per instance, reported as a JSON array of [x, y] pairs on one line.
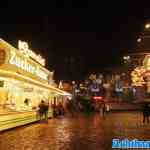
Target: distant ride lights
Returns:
[[141, 75]]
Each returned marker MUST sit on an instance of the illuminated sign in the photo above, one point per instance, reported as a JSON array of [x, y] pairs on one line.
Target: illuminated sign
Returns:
[[24, 49], [26, 66], [94, 88], [98, 98], [23, 64]]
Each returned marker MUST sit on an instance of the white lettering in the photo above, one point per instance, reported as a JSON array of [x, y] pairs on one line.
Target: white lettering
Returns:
[[23, 64], [41, 73], [24, 48]]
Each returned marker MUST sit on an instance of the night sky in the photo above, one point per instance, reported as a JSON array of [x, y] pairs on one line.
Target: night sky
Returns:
[[78, 38]]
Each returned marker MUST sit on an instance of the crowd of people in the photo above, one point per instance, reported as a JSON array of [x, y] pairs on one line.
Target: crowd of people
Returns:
[[109, 88], [74, 107], [57, 110]]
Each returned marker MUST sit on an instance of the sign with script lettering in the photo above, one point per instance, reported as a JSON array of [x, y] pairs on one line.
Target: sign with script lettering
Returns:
[[24, 49]]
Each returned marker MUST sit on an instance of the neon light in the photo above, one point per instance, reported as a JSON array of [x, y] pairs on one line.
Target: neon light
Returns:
[[23, 64], [98, 97], [24, 48]]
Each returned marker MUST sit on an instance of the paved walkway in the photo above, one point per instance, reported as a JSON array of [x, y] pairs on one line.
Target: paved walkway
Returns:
[[81, 132]]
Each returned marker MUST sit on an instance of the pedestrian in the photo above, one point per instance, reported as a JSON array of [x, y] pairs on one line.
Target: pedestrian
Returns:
[[101, 110], [41, 110], [60, 109], [54, 110], [46, 108], [70, 108], [104, 109], [146, 113]]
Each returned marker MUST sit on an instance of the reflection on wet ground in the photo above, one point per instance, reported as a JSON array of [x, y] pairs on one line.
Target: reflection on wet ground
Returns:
[[81, 132]]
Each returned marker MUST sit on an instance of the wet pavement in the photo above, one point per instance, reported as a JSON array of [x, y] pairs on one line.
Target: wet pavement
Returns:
[[82, 132]]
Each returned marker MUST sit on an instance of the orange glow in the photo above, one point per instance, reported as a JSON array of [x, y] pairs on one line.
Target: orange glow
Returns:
[[47, 86], [98, 97]]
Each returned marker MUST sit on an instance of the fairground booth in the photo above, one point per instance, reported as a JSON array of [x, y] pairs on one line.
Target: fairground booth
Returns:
[[24, 80]]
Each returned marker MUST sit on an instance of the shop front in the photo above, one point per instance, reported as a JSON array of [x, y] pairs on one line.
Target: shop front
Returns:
[[24, 81]]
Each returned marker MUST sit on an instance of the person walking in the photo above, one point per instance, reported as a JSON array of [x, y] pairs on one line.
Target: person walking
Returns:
[[46, 108], [146, 113], [41, 110], [60, 109], [102, 110]]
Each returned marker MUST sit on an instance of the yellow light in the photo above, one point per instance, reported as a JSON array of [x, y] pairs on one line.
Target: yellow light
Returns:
[[47, 86], [24, 48], [25, 65], [147, 26], [28, 79], [139, 40]]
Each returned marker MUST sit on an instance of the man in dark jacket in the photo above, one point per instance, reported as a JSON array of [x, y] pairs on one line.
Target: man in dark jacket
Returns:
[[43, 110], [146, 112]]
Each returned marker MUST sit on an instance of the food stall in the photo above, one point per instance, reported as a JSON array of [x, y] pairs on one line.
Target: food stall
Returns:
[[24, 80]]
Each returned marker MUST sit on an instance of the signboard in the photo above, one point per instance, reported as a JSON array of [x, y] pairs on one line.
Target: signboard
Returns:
[[25, 65], [24, 49], [98, 97], [94, 90], [21, 59]]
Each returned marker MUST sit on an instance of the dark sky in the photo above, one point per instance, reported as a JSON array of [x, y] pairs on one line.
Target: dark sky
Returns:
[[78, 37]]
